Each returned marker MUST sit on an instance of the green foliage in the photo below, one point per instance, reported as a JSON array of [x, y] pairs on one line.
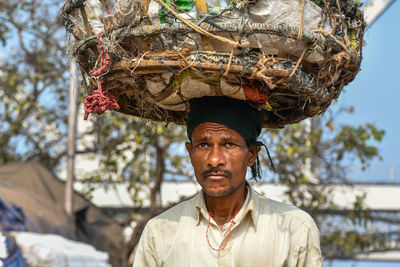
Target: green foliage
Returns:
[[355, 139], [318, 2], [311, 156], [346, 244], [32, 82], [130, 150], [323, 148], [4, 29]]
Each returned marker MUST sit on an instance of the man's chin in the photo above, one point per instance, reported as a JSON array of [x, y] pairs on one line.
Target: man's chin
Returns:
[[220, 192]]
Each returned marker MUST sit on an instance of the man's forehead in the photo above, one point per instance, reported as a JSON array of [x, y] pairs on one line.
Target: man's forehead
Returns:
[[209, 129]]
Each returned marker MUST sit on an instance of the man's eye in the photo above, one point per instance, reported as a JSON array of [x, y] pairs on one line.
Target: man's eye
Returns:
[[202, 145], [228, 144]]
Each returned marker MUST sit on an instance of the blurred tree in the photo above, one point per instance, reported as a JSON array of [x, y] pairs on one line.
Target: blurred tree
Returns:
[[311, 156], [138, 152], [33, 126], [33, 79]]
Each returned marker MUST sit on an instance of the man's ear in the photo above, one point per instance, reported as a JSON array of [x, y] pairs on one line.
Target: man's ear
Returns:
[[188, 146], [253, 150]]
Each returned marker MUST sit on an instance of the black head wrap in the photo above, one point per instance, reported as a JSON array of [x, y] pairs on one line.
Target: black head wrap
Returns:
[[239, 115]]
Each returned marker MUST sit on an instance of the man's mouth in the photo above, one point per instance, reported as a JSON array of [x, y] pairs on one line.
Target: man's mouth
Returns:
[[216, 174]]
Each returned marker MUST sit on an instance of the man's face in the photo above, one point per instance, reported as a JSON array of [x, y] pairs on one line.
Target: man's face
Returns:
[[220, 157]]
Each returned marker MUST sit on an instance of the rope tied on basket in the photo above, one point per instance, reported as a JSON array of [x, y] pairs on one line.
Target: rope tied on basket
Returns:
[[100, 100]]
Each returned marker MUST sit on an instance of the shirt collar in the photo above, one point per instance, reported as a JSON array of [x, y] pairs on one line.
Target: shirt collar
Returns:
[[252, 207]]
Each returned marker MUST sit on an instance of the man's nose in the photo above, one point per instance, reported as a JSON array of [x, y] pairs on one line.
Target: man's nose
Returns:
[[216, 157]]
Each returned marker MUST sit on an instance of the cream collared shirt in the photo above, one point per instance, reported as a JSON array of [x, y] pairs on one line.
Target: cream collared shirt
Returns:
[[265, 233]]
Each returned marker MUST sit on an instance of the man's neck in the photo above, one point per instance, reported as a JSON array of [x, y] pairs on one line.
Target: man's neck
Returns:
[[225, 208]]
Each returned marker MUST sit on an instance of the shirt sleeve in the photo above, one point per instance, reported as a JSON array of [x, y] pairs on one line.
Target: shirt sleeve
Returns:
[[145, 253], [310, 253]]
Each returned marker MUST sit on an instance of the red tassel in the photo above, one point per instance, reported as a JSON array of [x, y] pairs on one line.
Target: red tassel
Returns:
[[100, 100]]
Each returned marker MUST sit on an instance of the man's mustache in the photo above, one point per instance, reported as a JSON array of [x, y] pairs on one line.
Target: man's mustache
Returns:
[[216, 171]]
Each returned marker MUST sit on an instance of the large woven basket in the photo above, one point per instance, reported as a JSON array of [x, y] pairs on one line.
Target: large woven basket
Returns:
[[149, 57]]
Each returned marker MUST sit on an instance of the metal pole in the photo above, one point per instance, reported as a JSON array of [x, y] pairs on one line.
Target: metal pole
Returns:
[[72, 121], [311, 169]]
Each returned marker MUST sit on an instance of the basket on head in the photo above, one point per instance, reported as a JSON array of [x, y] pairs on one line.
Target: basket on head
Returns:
[[149, 57]]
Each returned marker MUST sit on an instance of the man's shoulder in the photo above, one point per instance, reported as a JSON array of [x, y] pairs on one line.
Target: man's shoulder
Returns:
[[287, 211], [173, 215]]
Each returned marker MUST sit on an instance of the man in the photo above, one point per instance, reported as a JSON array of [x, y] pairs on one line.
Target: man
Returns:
[[227, 223]]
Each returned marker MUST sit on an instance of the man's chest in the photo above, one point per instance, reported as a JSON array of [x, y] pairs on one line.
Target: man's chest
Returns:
[[243, 246]]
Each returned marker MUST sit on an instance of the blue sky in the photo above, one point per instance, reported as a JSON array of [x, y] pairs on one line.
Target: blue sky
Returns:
[[375, 93]]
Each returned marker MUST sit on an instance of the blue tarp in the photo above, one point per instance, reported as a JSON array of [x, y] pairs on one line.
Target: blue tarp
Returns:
[[12, 218]]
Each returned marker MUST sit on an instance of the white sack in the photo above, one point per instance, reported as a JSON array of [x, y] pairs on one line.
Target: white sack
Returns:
[[47, 250], [3, 248]]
